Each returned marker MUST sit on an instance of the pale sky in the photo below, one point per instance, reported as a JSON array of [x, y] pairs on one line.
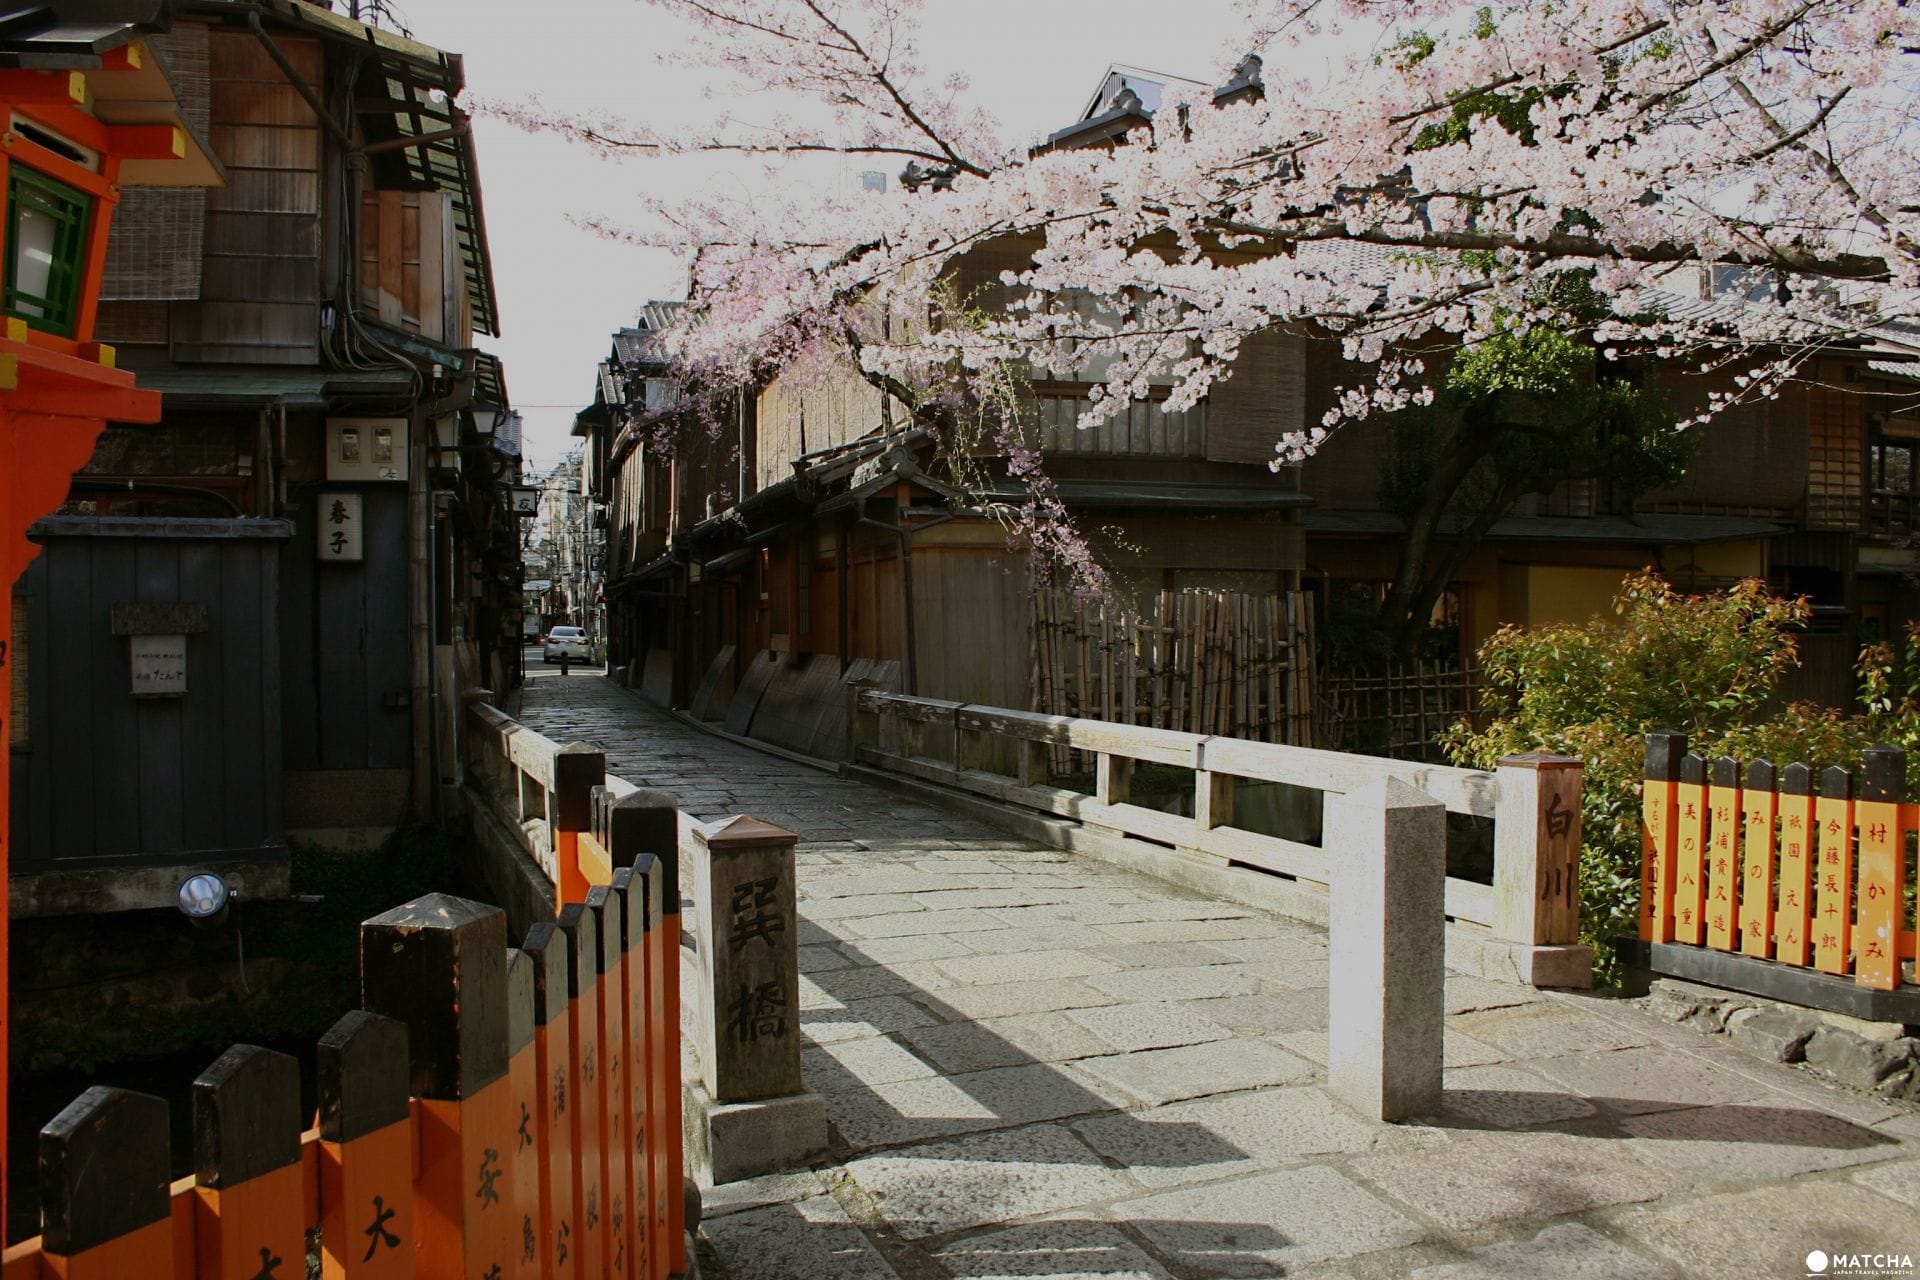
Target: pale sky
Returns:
[[563, 290]]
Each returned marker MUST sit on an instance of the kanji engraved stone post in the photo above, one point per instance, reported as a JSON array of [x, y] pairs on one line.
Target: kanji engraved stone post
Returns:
[[749, 960]]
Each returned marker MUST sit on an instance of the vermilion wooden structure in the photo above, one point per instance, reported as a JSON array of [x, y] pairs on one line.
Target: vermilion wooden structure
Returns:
[[492, 1113], [1772, 867], [58, 387]]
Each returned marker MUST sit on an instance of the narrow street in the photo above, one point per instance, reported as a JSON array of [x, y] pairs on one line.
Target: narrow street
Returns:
[[1036, 1064]]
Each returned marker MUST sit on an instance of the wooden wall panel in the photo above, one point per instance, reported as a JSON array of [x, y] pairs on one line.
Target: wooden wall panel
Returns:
[[971, 618], [194, 774], [1345, 474], [976, 277], [805, 413], [1263, 400], [1752, 457], [1836, 458], [260, 291], [344, 628], [405, 237]]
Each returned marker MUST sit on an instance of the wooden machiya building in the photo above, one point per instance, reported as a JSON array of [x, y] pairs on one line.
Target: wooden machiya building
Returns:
[[810, 537], [253, 619], [807, 536]]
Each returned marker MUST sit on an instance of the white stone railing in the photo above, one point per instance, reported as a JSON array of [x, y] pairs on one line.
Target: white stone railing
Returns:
[[1533, 800]]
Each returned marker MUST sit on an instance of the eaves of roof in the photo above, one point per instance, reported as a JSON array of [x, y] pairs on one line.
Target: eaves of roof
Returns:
[[262, 386], [39, 37], [1643, 528], [1186, 499]]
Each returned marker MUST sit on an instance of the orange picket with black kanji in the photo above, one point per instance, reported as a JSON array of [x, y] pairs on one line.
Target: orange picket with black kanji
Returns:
[[523, 1088], [1833, 872], [547, 947], [366, 1151], [1760, 808], [1690, 861], [1807, 877], [250, 1218], [1659, 834], [1793, 924], [439, 965], [583, 1071], [1722, 906], [1883, 869]]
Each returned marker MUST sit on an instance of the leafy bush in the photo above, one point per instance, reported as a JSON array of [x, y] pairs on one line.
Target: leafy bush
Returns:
[[1705, 665]]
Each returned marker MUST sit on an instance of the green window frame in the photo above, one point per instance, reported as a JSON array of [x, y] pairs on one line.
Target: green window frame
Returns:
[[57, 308]]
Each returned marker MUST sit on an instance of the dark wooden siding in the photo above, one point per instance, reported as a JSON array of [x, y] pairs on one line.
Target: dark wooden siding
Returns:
[[345, 637], [112, 780]]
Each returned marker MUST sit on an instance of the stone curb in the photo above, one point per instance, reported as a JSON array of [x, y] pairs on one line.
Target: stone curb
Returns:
[[1877, 1058]]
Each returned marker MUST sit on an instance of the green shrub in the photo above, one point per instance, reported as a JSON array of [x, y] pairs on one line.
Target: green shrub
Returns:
[[1705, 665]]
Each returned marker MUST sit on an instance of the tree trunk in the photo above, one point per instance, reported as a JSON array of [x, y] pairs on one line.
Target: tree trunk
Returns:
[[1406, 637], [1455, 458]]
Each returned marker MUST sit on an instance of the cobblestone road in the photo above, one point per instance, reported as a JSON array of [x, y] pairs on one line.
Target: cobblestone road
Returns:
[[1038, 1065]]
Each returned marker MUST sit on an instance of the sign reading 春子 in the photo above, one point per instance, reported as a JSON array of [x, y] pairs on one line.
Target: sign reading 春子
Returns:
[[159, 665], [338, 529]]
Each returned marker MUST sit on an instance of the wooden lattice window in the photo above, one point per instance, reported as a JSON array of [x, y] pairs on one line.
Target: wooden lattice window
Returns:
[[46, 250]]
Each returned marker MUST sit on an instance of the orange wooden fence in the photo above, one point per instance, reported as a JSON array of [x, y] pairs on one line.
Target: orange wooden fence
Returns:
[[490, 1114], [1767, 864]]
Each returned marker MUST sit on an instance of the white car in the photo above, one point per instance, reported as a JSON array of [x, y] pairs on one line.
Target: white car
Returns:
[[568, 641]]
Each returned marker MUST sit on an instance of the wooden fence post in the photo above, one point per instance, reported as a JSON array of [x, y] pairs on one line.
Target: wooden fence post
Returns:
[[366, 1150], [438, 964], [1883, 783], [609, 1006], [1690, 861], [577, 770], [1833, 878], [626, 921], [583, 1109], [1722, 909], [1536, 850], [546, 947], [1762, 805], [249, 1218], [1792, 925], [1659, 830], [523, 1087], [642, 832], [104, 1169]]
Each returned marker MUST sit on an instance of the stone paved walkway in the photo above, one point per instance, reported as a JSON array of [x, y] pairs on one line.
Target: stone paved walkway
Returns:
[[1038, 1065]]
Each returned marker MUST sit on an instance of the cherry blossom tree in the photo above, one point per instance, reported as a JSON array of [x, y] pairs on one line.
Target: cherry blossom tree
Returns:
[[1395, 172]]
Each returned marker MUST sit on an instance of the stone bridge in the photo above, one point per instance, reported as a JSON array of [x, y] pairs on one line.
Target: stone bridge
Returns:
[[1036, 1064]]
